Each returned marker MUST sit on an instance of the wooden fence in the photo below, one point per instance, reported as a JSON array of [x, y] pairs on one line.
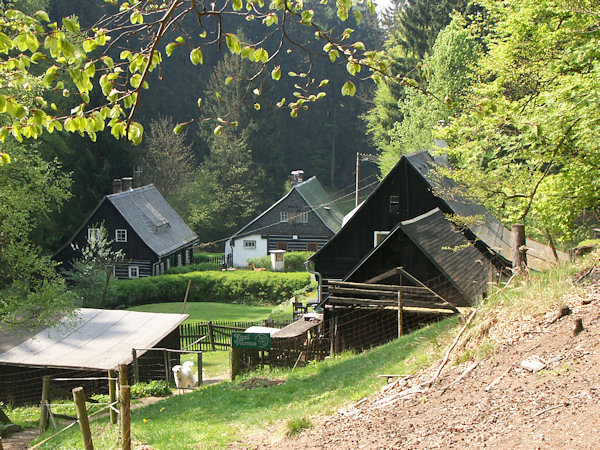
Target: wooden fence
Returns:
[[211, 336]]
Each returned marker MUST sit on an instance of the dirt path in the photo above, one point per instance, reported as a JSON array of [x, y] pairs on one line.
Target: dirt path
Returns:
[[497, 403]]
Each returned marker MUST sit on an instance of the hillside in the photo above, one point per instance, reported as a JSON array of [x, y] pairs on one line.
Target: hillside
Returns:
[[487, 401]]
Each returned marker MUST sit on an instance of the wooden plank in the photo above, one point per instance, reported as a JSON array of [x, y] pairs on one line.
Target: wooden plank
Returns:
[[406, 303]]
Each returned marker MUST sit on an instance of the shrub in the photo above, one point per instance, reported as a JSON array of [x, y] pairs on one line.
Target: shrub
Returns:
[[293, 261], [154, 388], [199, 267], [296, 426], [247, 287], [200, 257]]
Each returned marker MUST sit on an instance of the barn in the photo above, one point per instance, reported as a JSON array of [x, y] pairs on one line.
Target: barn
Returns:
[[86, 345]]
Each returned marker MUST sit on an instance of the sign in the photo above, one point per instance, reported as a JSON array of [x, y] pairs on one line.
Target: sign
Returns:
[[257, 341]]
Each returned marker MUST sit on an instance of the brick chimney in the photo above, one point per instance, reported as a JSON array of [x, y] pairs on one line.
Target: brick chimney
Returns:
[[127, 182], [117, 185]]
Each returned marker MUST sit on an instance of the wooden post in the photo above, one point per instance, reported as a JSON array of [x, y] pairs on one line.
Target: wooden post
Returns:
[[357, 178], [211, 337], [399, 313], [82, 417], [125, 418], [187, 291], [234, 362], [166, 362], [123, 378], [112, 394], [551, 244], [199, 355], [44, 403], [331, 333], [136, 369], [519, 252]]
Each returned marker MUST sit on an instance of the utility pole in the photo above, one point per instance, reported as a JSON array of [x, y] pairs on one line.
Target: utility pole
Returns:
[[362, 157]]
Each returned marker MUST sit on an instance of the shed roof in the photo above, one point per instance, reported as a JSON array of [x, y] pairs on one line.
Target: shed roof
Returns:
[[445, 246], [97, 339], [315, 196]]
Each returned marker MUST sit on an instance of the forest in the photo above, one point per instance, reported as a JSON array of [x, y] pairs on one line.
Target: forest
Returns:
[[215, 103]]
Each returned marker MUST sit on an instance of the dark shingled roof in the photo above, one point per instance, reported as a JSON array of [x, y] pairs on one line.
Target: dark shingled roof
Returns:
[[487, 228], [445, 246], [153, 219], [316, 197]]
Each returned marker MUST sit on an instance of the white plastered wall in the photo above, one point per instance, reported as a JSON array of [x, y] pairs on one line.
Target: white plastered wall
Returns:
[[241, 254]]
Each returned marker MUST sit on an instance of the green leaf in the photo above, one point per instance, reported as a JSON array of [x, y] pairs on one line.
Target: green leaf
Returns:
[[169, 48], [233, 43], [178, 128], [307, 17], [237, 5], [276, 73], [196, 56], [199, 102], [71, 24], [218, 130], [348, 88], [228, 80]]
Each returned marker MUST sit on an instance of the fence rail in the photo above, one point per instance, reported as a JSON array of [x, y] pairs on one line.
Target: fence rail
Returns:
[[211, 336]]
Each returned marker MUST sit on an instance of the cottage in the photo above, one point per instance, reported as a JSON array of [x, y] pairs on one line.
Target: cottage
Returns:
[[143, 225], [302, 220]]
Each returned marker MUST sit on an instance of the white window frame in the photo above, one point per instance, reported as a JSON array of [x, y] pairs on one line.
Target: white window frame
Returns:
[[188, 251], [379, 236], [93, 233], [284, 216], [113, 269], [179, 259], [121, 235], [133, 272], [250, 244], [304, 217]]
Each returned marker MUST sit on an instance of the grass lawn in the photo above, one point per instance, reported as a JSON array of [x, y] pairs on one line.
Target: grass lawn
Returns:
[[204, 311], [216, 415]]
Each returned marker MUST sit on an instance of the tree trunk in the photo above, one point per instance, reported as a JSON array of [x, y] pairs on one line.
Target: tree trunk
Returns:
[[519, 251]]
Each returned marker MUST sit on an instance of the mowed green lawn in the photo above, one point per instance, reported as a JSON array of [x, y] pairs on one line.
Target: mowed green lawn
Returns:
[[204, 311]]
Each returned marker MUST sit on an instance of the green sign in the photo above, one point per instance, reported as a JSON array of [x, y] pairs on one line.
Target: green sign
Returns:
[[257, 341]]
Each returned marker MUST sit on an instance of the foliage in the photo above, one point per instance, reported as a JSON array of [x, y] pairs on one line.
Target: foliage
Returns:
[[168, 162], [526, 143], [199, 257], [229, 189], [154, 388], [68, 48], [296, 426], [31, 292], [93, 271], [258, 288], [292, 262], [199, 267]]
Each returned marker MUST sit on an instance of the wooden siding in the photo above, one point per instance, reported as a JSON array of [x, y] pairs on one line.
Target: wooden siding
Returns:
[[296, 245]]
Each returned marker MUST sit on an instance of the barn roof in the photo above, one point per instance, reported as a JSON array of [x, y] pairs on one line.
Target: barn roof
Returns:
[[152, 218], [97, 339], [445, 246], [487, 228], [315, 196]]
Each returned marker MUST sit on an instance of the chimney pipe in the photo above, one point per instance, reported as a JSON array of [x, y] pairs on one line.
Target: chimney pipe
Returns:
[[117, 185], [127, 181], [297, 177]]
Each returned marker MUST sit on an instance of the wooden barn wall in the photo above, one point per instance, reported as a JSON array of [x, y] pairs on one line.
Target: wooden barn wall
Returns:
[[152, 363], [415, 198], [296, 245], [400, 251]]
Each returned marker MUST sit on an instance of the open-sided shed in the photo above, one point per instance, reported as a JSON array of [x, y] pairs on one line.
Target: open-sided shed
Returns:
[[88, 345]]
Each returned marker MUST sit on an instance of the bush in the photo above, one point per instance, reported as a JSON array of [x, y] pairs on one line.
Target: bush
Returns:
[[200, 257], [246, 287], [154, 388], [199, 267], [293, 261]]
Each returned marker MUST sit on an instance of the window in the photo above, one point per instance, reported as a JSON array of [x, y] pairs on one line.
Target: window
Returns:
[[134, 272], [312, 246], [179, 259], [94, 234], [121, 235], [394, 204], [378, 237], [249, 244], [188, 255], [304, 217], [282, 246], [283, 216]]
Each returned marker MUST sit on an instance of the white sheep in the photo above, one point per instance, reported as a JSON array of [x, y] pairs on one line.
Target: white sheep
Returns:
[[184, 375]]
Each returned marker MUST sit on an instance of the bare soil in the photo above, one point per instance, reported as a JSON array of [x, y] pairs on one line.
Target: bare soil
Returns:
[[494, 402]]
